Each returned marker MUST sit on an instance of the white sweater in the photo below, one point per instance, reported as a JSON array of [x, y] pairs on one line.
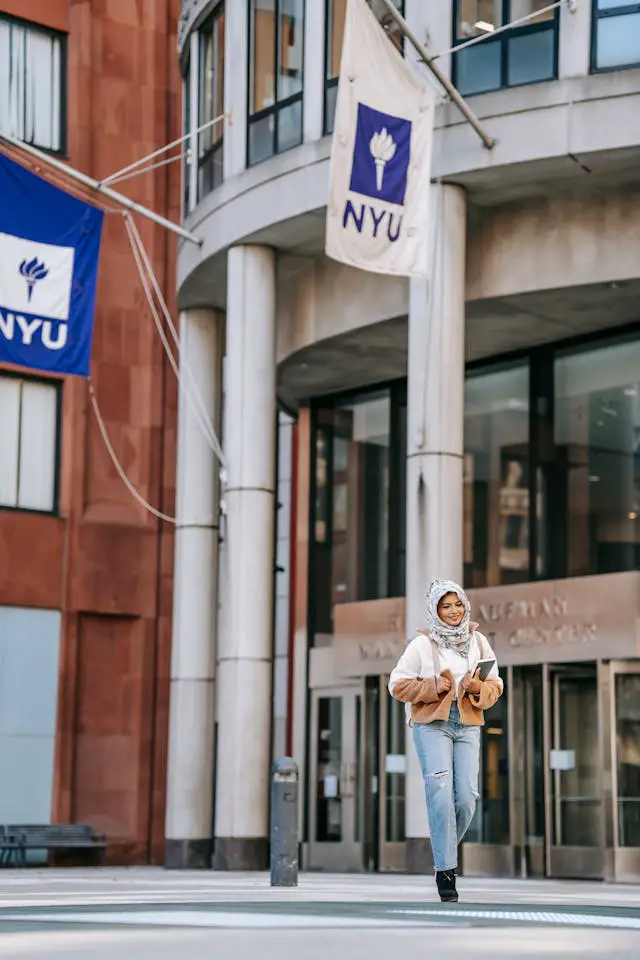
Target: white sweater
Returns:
[[418, 661]]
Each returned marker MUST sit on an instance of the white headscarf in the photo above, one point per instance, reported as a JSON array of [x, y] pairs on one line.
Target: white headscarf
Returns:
[[454, 638]]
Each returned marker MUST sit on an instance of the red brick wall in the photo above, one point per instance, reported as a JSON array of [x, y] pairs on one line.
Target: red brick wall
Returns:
[[106, 563]]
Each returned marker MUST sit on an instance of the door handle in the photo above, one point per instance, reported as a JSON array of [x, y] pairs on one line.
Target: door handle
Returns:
[[347, 780], [344, 782]]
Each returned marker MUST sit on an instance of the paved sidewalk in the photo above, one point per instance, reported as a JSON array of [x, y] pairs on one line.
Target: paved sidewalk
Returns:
[[135, 914], [156, 885]]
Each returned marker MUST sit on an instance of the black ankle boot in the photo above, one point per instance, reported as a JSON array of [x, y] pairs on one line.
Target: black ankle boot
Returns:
[[446, 881]]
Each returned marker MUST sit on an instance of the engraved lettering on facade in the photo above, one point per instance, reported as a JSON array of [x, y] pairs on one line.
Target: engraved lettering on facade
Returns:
[[524, 609], [379, 650], [560, 636]]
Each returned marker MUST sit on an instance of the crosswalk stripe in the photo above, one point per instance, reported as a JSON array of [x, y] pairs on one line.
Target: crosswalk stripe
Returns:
[[527, 916]]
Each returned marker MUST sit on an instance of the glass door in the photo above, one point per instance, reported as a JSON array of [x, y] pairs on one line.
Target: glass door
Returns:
[[392, 782], [574, 807], [625, 770], [335, 841]]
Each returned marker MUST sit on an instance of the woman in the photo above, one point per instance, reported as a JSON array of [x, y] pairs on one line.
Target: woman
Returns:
[[438, 678]]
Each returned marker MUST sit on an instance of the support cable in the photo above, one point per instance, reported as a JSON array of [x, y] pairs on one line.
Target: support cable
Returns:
[[97, 187], [160, 150], [154, 166], [116, 463], [190, 392]]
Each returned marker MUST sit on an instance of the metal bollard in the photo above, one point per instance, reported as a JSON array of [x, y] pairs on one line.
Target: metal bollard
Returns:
[[284, 823]]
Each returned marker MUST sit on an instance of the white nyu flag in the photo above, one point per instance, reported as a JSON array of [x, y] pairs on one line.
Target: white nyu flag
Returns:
[[380, 155]]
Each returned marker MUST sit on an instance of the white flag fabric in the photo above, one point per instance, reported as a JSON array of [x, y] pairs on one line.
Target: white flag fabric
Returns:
[[377, 214]]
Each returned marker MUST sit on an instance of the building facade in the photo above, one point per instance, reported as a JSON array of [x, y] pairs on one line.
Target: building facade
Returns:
[[86, 573], [484, 428]]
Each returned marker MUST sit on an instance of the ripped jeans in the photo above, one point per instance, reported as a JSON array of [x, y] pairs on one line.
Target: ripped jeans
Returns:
[[449, 755]]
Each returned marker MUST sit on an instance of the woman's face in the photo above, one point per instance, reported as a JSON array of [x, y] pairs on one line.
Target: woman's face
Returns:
[[451, 609]]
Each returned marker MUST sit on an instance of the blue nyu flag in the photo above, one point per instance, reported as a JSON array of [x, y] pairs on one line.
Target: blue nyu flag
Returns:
[[49, 252]]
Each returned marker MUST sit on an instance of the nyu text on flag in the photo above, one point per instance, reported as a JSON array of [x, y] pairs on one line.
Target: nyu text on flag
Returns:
[[377, 214], [49, 252]]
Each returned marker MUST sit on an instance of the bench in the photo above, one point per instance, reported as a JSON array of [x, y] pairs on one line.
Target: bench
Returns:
[[9, 846], [54, 836]]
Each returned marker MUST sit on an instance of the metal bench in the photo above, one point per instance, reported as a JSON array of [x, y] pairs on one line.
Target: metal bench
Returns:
[[55, 836], [9, 847]]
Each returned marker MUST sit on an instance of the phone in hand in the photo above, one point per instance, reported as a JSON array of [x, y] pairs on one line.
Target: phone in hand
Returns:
[[485, 667]]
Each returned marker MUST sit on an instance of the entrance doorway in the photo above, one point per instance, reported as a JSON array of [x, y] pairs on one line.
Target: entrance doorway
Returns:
[[563, 813], [357, 779]]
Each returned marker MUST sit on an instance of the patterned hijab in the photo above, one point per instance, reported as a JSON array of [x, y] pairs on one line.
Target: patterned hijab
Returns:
[[454, 638]]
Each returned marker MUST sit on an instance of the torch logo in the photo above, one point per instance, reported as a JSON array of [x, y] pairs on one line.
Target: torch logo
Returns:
[[32, 271], [381, 156], [382, 147]]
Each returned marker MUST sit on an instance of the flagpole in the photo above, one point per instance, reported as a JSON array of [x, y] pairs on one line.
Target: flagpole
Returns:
[[99, 188], [393, 11]]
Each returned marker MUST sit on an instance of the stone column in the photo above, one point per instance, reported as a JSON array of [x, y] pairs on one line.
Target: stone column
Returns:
[[189, 815], [247, 564], [435, 414], [237, 46], [315, 25]]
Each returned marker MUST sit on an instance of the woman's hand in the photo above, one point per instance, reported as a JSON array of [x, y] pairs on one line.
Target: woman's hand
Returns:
[[471, 684], [443, 684]]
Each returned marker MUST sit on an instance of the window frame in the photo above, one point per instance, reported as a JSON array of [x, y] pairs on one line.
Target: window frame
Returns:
[[57, 385], [278, 105], [185, 75], [208, 25], [63, 39], [598, 15], [502, 40]]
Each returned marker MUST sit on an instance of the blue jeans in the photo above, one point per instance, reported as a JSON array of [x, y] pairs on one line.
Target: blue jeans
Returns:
[[449, 755]]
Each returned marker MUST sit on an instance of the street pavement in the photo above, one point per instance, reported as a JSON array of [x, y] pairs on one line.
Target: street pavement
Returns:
[[135, 914]]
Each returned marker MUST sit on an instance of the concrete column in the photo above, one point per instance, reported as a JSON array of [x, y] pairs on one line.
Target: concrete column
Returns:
[[314, 70], [247, 564], [189, 816], [283, 587], [575, 41], [236, 53], [434, 448]]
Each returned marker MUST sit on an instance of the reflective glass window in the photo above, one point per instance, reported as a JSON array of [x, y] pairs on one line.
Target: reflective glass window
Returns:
[[523, 54], [597, 437], [276, 77], [496, 477]]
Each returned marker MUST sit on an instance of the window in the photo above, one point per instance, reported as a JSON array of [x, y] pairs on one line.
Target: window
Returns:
[[275, 80], [33, 84], [526, 54], [616, 34], [336, 11], [552, 466], [496, 477], [28, 444], [597, 440], [186, 113], [211, 102], [359, 502]]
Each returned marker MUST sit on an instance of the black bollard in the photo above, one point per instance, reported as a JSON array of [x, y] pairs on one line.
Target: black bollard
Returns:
[[284, 823]]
